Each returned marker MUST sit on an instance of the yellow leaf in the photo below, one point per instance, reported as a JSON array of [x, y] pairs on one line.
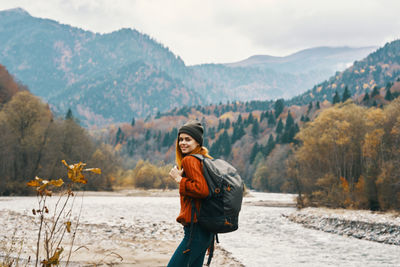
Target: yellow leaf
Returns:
[[65, 163], [68, 225], [57, 183], [75, 172], [33, 183], [55, 259], [94, 170]]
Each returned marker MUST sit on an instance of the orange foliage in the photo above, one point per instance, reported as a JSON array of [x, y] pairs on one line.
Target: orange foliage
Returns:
[[360, 185], [8, 87], [345, 184]]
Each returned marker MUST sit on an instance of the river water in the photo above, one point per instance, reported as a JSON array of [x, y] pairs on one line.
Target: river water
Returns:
[[264, 238]]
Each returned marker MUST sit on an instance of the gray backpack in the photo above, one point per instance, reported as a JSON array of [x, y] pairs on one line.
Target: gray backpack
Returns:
[[220, 210]]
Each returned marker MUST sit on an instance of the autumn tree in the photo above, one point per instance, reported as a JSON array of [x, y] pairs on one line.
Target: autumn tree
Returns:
[[271, 175], [34, 143], [347, 156], [8, 87]]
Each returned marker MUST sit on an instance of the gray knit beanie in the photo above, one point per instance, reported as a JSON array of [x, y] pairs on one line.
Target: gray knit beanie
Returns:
[[194, 129]]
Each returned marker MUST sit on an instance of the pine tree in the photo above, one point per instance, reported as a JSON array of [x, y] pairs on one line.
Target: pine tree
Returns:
[[119, 137], [289, 121], [130, 146], [271, 120], [388, 95], [69, 115], [269, 147], [227, 123], [336, 98], [239, 119], [173, 135], [220, 125], [279, 106], [250, 119], [366, 97], [222, 147], [375, 92], [318, 106], [254, 152], [165, 141], [234, 109], [310, 106], [238, 132], [285, 139], [147, 135], [215, 150], [279, 127], [211, 133], [346, 94], [292, 133], [263, 114], [255, 129]]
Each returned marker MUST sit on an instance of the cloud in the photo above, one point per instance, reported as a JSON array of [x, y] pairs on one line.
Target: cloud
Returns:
[[203, 31]]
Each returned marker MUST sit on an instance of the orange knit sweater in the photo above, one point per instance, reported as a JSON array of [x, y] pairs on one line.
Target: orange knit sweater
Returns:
[[192, 186]]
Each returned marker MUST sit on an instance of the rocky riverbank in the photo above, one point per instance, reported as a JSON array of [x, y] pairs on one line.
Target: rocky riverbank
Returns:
[[114, 230], [362, 224]]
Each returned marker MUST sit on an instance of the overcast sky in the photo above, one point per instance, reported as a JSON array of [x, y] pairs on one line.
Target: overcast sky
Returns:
[[222, 31]]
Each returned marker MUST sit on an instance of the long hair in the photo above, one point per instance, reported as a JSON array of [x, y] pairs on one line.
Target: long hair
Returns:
[[198, 150]]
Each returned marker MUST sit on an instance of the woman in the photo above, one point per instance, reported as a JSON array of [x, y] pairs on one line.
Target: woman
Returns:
[[192, 187]]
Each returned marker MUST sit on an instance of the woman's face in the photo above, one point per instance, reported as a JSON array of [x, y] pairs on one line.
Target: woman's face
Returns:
[[186, 143]]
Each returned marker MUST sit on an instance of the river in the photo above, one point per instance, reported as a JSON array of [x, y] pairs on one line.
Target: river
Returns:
[[265, 237]]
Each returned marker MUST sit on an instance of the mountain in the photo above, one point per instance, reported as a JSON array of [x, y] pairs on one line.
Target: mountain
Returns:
[[268, 77], [330, 59], [133, 90], [113, 77], [56, 60], [247, 133], [380, 69]]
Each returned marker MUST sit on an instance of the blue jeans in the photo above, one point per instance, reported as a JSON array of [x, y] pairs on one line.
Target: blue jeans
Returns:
[[201, 240]]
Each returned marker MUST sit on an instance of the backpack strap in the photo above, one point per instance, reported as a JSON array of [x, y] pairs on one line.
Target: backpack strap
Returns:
[[214, 239], [211, 251], [198, 156], [195, 211], [189, 242]]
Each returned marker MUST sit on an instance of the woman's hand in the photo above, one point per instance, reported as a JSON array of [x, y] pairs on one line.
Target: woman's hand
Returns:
[[176, 174]]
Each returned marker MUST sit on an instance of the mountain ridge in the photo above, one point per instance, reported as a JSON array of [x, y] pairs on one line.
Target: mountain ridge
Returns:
[[53, 58]]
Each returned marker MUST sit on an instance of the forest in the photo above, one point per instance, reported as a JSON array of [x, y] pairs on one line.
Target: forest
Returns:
[[348, 158], [34, 142], [338, 153]]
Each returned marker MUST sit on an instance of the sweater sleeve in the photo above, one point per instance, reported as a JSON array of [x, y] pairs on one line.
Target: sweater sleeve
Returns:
[[193, 184]]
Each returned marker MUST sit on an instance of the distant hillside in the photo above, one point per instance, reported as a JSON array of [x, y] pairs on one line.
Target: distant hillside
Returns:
[[134, 90], [330, 59], [260, 137], [53, 59], [380, 69], [268, 77], [113, 77]]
